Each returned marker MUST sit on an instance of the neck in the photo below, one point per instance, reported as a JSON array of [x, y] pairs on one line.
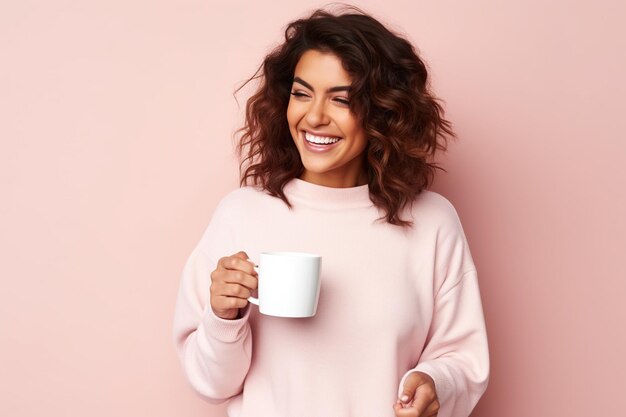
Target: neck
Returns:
[[336, 181], [310, 194]]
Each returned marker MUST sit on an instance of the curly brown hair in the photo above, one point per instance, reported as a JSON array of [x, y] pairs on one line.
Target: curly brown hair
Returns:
[[390, 95]]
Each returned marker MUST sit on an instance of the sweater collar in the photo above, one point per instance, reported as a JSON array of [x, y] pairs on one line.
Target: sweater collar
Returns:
[[321, 196]]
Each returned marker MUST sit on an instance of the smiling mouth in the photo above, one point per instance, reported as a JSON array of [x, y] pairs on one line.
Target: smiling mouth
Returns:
[[320, 141]]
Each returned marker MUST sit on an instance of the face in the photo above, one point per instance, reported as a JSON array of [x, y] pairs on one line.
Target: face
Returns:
[[318, 106]]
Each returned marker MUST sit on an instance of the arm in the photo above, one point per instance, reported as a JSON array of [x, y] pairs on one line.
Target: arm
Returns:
[[215, 353], [456, 353]]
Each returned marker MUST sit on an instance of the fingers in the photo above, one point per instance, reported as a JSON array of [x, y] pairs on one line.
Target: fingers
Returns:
[[402, 407], [228, 289], [410, 385], [229, 303], [237, 261], [228, 298], [424, 397], [237, 277], [432, 410], [404, 412], [232, 282], [236, 269], [411, 411], [419, 392]]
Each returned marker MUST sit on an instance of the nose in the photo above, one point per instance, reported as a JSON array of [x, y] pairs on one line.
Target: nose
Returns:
[[316, 113]]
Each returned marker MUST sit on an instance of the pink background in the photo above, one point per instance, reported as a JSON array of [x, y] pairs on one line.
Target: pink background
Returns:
[[116, 120]]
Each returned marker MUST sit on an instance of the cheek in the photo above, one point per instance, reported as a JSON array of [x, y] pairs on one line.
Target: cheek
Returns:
[[360, 138], [292, 122], [354, 130], [292, 116]]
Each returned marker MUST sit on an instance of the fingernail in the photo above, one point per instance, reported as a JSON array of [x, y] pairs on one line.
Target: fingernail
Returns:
[[404, 398]]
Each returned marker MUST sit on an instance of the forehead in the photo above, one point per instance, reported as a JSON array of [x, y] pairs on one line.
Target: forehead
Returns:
[[321, 69]]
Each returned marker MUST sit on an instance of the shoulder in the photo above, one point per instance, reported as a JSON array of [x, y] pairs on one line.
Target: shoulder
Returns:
[[228, 212], [436, 218], [434, 215], [236, 201], [237, 196], [435, 208]]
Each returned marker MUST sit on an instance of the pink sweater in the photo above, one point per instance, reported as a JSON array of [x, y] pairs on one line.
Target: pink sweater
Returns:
[[392, 301]]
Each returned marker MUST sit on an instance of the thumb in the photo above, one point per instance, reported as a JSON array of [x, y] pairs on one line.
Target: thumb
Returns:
[[410, 385], [241, 254]]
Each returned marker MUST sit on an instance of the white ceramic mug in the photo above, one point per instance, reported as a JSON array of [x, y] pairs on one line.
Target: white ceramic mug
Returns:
[[289, 283]]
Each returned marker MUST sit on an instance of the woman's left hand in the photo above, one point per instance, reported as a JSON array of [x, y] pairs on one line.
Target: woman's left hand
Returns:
[[422, 401]]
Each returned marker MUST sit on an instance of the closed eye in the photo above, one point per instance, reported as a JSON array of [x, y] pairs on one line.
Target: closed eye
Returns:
[[342, 101]]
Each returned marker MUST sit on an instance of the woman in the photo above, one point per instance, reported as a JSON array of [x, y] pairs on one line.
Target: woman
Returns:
[[338, 141]]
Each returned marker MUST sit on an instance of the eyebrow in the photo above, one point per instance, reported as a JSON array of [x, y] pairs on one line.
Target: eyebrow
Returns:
[[330, 90]]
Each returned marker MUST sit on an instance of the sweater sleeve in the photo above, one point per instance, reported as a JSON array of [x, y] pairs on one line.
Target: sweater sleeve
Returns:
[[456, 353], [215, 353]]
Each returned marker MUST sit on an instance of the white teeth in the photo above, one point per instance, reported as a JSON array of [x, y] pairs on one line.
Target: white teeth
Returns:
[[319, 139]]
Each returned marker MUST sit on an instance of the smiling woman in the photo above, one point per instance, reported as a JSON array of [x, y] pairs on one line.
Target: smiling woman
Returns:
[[329, 137], [346, 76], [341, 130]]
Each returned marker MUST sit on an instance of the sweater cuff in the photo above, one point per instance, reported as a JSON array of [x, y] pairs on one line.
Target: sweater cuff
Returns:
[[224, 330], [443, 387]]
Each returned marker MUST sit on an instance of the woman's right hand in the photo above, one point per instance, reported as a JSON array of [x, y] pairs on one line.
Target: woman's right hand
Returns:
[[231, 284]]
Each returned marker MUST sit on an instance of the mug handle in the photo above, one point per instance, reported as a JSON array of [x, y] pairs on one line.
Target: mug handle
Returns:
[[251, 298]]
